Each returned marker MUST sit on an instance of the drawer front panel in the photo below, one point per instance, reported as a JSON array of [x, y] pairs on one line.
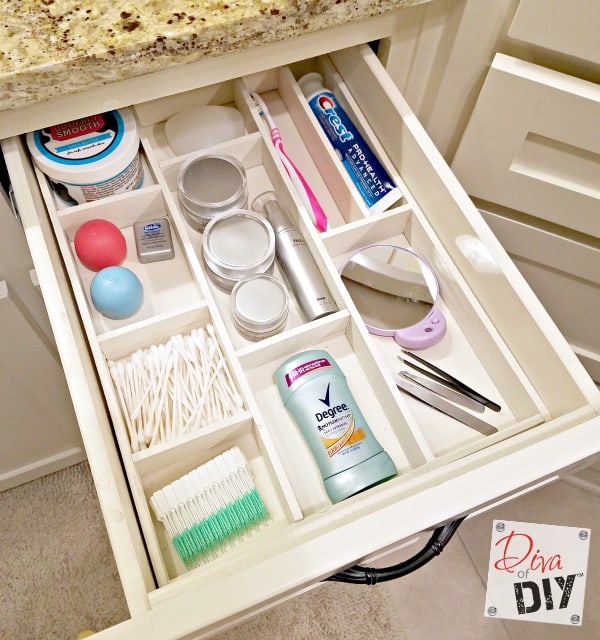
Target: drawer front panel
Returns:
[[533, 144], [439, 460]]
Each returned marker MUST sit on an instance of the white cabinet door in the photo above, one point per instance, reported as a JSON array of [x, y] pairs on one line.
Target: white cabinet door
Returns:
[[567, 29], [38, 430], [564, 272], [533, 144]]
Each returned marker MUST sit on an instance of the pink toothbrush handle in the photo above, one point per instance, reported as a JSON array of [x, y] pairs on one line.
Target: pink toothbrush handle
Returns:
[[320, 217]]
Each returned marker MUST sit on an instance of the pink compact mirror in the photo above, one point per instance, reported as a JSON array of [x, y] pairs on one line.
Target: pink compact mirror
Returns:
[[395, 291]]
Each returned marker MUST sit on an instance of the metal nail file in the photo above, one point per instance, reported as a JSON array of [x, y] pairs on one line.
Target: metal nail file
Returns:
[[443, 405], [445, 392]]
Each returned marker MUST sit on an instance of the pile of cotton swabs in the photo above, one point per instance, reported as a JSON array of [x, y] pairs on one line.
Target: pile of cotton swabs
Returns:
[[172, 389], [211, 508]]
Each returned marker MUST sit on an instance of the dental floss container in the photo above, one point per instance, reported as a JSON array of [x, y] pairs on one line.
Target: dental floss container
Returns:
[[296, 261], [153, 240], [314, 390], [203, 126], [90, 158], [259, 306], [235, 245], [210, 184]]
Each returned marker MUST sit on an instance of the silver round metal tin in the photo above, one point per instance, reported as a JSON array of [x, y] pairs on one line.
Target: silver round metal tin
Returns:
[[237, 244]]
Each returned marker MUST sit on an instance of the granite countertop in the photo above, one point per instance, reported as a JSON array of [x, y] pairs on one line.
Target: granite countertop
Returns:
[[50, 48]]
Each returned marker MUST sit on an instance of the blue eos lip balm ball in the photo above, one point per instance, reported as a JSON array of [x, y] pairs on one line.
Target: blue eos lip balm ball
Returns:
[[116, 292]]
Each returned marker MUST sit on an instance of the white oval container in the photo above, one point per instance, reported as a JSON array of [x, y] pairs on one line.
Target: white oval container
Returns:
[[90, 158], [203, 126]]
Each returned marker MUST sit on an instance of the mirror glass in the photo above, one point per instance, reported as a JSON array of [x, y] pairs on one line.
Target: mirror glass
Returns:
[[395, 291]]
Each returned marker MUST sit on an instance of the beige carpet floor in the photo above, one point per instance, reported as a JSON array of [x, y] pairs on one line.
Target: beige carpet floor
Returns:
[[57, 572], [58, 577]]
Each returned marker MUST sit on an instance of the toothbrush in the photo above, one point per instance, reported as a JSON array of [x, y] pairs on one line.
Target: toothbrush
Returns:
[[304, 191], [210, 508]]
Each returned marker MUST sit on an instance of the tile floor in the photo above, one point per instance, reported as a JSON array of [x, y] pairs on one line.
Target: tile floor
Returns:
[[446, 598]]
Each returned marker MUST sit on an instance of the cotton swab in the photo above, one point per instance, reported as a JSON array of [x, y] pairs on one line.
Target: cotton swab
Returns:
[[211, 508], [302, 187], [230, 385], [175, 388]]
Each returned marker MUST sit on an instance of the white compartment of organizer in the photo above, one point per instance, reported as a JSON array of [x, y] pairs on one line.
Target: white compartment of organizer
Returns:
[[499, 337]]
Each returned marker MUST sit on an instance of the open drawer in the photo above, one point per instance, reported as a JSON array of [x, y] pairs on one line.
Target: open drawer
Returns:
[[499, 339]]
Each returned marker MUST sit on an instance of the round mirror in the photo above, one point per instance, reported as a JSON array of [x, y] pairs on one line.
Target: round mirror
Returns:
[[395, 292]]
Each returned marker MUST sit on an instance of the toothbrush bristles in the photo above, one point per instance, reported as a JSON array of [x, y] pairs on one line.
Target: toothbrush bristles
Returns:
[[211, 508]]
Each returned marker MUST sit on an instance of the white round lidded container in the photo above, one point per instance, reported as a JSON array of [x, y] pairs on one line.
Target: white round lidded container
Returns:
[[259, 306], [90, 158], [235, 245], [209, 185]]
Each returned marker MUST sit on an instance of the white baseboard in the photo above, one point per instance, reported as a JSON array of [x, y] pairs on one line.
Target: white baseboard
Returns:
[[40, 468]]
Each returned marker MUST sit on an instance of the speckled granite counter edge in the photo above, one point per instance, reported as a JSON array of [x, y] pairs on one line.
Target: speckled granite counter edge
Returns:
[[69, 76]]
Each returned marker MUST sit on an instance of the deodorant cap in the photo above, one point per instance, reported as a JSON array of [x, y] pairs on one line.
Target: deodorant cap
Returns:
[[302, 368]]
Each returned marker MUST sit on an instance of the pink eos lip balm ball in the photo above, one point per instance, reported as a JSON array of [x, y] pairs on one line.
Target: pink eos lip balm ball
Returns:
[[99, 244], [116, 292]]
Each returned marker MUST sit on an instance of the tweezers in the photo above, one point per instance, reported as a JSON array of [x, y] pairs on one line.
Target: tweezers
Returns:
[[450, 381]]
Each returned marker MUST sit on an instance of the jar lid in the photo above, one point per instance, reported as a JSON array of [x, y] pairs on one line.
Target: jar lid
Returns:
[[259, 306], [237, 244], [212, 183], [86, 150]]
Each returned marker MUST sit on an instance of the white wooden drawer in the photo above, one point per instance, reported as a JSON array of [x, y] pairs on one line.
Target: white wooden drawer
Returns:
[[532, 144], [500, 339]]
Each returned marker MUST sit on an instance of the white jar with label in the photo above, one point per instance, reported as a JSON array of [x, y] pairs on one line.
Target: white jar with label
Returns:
[[90, 158]]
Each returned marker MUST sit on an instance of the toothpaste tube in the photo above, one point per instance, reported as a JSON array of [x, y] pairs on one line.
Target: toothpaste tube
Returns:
[[368, 175]]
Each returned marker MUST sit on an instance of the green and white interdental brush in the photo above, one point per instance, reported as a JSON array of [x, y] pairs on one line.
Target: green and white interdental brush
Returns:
[[211, 508]]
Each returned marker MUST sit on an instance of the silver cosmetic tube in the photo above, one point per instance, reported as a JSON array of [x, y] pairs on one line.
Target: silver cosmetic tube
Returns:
[[295, 259]]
